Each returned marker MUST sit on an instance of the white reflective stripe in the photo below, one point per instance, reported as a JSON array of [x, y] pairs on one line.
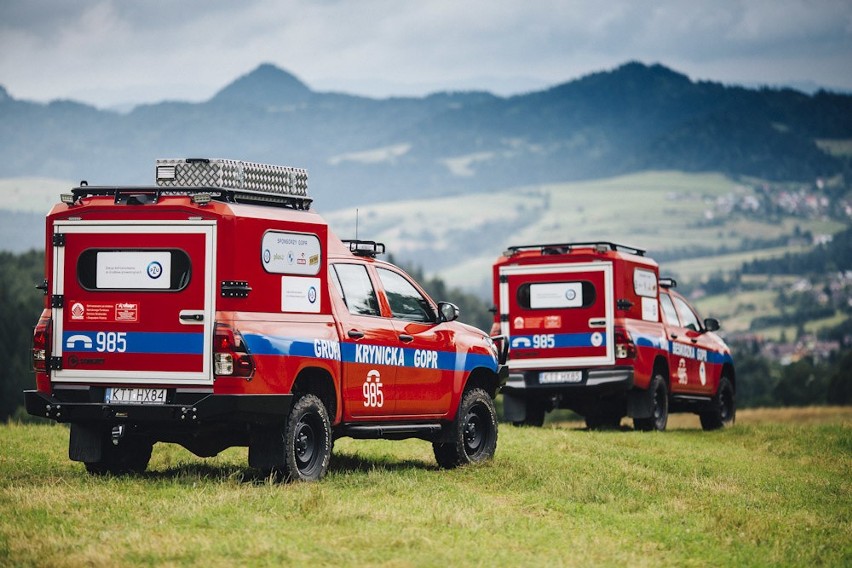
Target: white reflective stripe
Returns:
[[504, 303], [591, 381], [208, 229]]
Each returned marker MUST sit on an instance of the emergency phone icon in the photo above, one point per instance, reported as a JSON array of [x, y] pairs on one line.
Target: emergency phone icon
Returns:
[[71, 342]]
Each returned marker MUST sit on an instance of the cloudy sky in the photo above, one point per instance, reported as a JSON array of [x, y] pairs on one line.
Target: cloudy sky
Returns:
[[110, 52]]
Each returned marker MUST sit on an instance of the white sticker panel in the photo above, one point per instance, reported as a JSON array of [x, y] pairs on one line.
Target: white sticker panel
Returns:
[[556, 295], [650, 309], [134, 270], [291, 253], [645, 283], [300, 294]]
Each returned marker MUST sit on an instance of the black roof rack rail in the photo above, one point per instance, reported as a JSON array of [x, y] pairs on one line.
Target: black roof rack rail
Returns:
[[365, 248], [133, 195], [562, 248]]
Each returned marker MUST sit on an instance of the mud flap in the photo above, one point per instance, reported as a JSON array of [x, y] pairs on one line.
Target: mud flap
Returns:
[[266, 447], [85, 443], [514, 408], [640, 403]]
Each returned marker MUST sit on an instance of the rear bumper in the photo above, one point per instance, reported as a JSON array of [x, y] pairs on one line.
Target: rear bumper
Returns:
[[595, 382], [196, 408]]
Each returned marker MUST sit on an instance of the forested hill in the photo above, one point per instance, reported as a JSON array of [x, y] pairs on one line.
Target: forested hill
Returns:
[[834, 256], [359, 150]]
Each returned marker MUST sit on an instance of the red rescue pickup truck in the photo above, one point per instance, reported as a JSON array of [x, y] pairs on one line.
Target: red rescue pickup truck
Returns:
[[214, 309], [593, 328]]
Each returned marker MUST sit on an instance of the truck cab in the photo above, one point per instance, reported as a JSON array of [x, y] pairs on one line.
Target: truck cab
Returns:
[[215, 309]]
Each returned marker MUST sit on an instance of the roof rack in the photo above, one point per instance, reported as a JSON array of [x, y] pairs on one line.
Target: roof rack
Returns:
[[234, 181], [141, 195], [563, 248], [365, 248]]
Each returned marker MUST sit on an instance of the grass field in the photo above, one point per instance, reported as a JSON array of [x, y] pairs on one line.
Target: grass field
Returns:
[[776, 489]]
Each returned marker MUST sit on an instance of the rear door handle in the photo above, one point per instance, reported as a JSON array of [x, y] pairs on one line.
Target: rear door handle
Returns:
[[406, 338], [191, 316], [674, 336], [355, 334]]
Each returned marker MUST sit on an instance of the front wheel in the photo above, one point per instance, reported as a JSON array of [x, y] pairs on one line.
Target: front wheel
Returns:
[[724, 408], [307, 440], [473, 434], [660, 415]]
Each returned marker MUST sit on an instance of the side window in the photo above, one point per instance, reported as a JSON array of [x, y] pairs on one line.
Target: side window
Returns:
[[668, 309], [687, 316], [404, 299], [357, 289]]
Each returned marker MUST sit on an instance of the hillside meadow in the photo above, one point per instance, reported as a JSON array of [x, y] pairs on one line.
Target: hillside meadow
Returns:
[[776, 490]]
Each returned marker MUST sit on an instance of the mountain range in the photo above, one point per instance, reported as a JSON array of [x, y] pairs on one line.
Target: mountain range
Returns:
[[634, 118]]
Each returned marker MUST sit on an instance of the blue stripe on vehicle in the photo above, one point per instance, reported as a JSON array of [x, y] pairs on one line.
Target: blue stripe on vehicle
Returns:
[[698, 353], [348, 352], [654, 341], [166, 343], [560, 340]]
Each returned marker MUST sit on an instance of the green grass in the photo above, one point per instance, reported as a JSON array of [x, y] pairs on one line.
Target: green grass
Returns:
[[756, 494], [696, 268]]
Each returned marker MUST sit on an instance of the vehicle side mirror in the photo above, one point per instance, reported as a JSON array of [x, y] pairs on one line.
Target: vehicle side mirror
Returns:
[[711, 324], [448, 311]]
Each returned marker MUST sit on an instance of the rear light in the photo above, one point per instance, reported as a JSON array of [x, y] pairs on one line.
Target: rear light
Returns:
[[624, 346], [41, 341], [230, 355]]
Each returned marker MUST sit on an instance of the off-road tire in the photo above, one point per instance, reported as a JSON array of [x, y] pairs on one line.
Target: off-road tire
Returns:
[[130, 456], [724, 407], [472, 435], [659, 392], [307, 441]]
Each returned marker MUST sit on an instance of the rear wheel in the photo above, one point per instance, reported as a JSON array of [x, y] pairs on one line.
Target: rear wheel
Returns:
[[724, 407], [473, 433], [307, 440], [660, 400]]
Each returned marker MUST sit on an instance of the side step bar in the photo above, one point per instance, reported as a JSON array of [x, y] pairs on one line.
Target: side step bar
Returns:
[[429, 432], [690, 403]]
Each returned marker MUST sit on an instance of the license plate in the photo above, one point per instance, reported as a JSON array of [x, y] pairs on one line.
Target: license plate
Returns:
[[120, 395], [560, 377]]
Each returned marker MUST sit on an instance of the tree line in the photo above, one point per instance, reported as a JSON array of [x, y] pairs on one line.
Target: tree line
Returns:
[[761, 382]]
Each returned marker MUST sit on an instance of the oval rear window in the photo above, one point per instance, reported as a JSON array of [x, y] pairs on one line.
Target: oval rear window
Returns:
[[134, 269]]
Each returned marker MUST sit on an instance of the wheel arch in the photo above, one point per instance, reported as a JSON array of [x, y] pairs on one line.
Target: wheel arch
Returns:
[[728, 371], [483, 378], [319, 382], [661, 366]]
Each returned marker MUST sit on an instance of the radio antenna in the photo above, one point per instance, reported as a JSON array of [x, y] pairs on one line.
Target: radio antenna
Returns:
[[356, 223]]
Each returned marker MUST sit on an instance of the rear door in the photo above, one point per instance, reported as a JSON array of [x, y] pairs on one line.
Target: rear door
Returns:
[[558, 315], [133, 302]]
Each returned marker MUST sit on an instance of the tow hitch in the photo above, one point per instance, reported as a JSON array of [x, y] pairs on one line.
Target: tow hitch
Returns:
[[117, 434]]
